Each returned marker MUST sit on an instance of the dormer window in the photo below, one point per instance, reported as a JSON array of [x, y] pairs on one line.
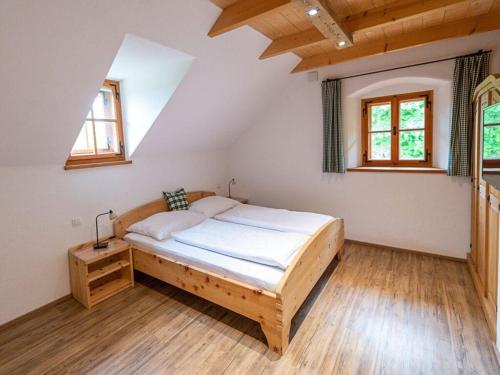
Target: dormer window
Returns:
[[397, 130], [100, 141]]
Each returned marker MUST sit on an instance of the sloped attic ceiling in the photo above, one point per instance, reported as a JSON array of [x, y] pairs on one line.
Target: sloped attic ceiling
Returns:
[[55, 54], [149, 74]]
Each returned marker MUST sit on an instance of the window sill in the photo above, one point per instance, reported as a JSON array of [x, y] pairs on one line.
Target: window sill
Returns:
[[398, 170], [97, 165]]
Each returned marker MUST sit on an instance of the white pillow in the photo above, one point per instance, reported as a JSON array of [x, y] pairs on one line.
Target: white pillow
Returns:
[[211, 206], [161, 225]]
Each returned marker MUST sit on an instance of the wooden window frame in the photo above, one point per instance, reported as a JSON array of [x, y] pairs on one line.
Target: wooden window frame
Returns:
[[395, 131], [487, 163], [102, 159]]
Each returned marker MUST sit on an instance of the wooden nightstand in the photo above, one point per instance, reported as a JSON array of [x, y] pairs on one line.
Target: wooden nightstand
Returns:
[[99, 274], [241, 200]]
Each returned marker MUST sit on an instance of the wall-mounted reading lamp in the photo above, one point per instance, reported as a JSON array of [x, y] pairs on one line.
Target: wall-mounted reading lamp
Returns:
[[231, 182]]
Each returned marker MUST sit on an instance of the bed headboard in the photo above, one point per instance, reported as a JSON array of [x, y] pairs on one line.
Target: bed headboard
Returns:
[[121, 224]]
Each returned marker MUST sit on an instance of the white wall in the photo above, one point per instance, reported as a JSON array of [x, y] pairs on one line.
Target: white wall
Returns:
[[37, 205], [278, 161], [149, 74]]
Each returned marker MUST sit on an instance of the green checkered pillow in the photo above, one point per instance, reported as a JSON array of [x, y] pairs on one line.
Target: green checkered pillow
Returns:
[[177, 200]]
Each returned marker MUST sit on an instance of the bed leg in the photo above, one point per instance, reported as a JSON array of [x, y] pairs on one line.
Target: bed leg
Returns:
[[277, 337]]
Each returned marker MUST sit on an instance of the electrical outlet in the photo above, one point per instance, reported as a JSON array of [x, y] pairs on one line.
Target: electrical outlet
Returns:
[[76, 221]]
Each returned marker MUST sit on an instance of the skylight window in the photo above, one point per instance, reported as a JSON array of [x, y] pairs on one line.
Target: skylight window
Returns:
[[101, 137]]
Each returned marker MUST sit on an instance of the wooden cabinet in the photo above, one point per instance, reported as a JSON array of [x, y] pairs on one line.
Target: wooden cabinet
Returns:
[[493, 246], [99, 274], [481, 234], [485, 199]]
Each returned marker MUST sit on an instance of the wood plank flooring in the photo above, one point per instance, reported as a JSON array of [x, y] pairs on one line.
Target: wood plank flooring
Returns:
[[376, 312]]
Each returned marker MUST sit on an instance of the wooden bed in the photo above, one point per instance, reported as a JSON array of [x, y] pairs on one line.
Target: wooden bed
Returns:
[[274, 311]]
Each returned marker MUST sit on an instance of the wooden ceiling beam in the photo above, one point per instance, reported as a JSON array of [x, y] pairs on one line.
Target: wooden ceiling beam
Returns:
[[243, 12], [291, 42], [464, 27], [327, 22], [379, 16]]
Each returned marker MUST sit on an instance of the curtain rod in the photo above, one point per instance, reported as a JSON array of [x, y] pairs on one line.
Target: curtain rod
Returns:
[[408, 66]]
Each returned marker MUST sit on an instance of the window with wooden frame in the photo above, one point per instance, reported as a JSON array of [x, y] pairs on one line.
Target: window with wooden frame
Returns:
[[100, 141], [397, 130], [491, 136]]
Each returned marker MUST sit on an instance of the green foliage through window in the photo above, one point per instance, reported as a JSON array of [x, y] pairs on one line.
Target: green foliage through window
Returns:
[[381, 146], [381, 117], [491, 141], [412, 115], [491, 134], [492, 114], [412, 145]]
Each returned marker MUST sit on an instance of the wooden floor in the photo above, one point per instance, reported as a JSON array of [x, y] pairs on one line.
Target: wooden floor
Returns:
[[377, 312]]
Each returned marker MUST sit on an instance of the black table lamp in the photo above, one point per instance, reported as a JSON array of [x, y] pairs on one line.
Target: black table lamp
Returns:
[[102, 245]]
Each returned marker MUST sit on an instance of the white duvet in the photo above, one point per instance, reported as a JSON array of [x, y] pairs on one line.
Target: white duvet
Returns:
[[264, 246], [274, 218]]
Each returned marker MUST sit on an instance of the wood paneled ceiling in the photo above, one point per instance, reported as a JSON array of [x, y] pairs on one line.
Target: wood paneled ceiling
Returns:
[[376, 26]]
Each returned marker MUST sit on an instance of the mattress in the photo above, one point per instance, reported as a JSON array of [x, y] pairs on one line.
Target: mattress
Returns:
[[273, 218], [258, 275]]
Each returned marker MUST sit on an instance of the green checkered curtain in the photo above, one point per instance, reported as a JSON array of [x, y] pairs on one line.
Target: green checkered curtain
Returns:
[[470, 71], [333, 138]]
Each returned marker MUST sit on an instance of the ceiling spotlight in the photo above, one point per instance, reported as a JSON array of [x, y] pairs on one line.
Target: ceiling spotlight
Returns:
[[341, 43], [313, 12]]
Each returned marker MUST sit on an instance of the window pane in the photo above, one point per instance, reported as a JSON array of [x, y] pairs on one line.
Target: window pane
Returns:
[[492, 114], [412, 115], [491, 141], [380, 117], [104, 105], [380, 146], [412, 145], [105, 134], [84, 144]]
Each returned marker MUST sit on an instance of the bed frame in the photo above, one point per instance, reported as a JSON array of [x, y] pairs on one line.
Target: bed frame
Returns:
[[274, 311]]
